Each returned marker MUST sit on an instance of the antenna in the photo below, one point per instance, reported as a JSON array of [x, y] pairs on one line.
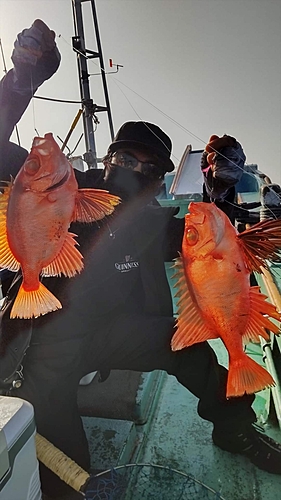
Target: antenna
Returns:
[[83, 54], [109, 72], [117, 66]]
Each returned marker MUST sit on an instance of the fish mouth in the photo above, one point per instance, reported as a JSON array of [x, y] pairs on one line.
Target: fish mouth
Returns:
[[58, 184]]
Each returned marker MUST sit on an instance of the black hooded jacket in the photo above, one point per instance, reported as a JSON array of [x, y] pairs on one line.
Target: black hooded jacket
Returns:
[[124, 254], [124, 257]]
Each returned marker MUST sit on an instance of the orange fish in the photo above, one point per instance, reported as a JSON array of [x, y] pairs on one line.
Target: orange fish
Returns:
[[215, 297], [36, 210]]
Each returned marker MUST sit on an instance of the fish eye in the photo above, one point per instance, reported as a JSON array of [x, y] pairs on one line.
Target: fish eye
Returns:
[[31, 166], [191, 235]]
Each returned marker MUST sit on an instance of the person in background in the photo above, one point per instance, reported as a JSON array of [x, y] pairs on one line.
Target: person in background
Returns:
[[118, 313]]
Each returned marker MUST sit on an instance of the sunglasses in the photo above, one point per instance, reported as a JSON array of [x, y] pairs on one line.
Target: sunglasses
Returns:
[[129, 161]]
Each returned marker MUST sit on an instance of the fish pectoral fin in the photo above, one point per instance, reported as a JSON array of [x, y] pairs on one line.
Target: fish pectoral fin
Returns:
[[7, 258], [94, 204], [260, 316], [260, 243], [31, 304], [245, 376], [191, 328], [68, 261]]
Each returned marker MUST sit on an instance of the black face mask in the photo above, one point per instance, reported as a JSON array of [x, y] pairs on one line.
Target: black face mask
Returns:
[[129, 184]]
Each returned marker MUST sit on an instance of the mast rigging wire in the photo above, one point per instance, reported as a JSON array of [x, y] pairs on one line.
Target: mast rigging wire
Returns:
[[155, 107], [129, 88]]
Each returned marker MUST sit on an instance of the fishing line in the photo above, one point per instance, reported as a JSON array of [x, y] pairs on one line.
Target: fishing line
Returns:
[[136, 93], [6, 71], [180, 125], [3, 58], [155, 107], [144, 122], [148, 102], [103, 70], [117, 81], [32, 92], [252, 174], [197, 182], [159, 110], [33, 103], [261, 181], [255, 176]]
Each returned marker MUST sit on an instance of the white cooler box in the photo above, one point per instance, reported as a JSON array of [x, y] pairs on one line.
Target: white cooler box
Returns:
[[19, 473]]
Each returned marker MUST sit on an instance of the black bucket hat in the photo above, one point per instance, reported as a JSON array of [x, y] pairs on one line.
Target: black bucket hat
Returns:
[[144, 136]]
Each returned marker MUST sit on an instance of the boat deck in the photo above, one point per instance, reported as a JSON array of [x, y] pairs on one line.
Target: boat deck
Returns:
[[174, 436]]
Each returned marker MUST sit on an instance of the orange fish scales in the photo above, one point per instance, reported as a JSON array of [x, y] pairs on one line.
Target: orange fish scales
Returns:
[[215, 299], [36, 211]]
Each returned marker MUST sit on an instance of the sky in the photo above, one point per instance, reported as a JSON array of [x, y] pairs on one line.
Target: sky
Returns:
[[193, 67]]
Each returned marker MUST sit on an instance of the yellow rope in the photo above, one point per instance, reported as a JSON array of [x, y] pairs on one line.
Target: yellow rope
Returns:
[[74, 123], [272, 289], [65, 468]]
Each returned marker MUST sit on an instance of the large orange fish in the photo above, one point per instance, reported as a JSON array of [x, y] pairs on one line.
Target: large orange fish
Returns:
[[215, 297], [36, 210]]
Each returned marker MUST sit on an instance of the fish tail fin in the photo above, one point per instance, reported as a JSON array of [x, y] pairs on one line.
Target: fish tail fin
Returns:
[[246, 376], [29, 304]]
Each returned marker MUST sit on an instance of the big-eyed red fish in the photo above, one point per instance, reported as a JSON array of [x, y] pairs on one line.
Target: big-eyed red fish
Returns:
[[36, 210], [215, 296]]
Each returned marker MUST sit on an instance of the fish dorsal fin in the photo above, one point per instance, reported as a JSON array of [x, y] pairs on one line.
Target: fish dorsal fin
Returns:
[[258, 323], [7, 259], [191, 327], [67, 262], [94, 204], [260, 243]]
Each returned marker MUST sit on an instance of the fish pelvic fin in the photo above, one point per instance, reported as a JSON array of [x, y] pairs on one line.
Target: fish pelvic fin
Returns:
[[261, 313], [260, 243], [191, 328], [94, 204], [246, 376], [68, 261], [29, 304], [7, 259]]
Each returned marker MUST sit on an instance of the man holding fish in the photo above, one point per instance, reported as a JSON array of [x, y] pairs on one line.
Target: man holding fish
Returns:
[[117, 312]]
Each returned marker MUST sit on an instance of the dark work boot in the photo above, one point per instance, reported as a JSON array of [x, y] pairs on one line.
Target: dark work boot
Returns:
[[261, 450]]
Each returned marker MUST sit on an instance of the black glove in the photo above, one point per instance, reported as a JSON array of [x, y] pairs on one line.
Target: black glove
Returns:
[[35, 57]]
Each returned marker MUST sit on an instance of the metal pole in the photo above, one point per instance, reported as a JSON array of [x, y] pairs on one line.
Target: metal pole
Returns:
[[84, 80], [107, 102], [275, 298], [276, 390]]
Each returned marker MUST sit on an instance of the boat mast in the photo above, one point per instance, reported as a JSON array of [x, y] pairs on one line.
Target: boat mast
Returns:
[[83, 54]]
